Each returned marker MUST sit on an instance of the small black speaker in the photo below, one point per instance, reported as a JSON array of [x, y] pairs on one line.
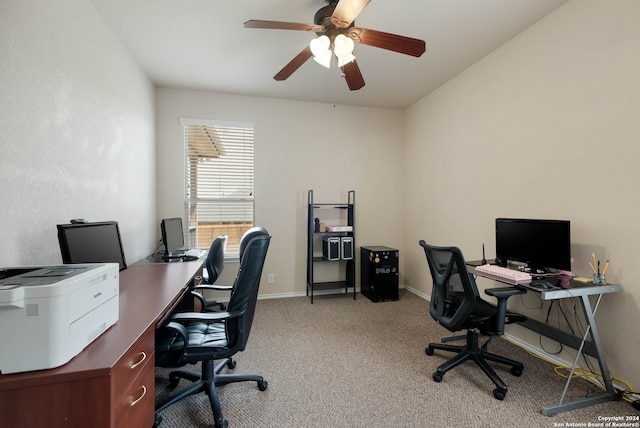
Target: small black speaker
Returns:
[[346, 248], [331, 248]]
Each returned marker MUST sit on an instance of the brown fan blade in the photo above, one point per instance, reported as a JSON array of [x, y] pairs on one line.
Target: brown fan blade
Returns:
[[353, 76], [392, 42], [346, 11], [279, 25], [294, 64]]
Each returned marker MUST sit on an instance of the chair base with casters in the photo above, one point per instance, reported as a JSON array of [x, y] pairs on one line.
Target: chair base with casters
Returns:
[[472, 351], [207, 382]]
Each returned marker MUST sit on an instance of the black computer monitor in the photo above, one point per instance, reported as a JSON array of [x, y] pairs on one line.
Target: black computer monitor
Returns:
[[541, 244], [172, 234], [91, 243]]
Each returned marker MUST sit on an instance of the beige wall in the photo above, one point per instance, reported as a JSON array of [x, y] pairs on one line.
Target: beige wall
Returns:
[[298, 146], [77, 135], [544, 127]]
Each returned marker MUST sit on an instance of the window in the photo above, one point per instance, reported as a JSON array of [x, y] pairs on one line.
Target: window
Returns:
[[218, 183]]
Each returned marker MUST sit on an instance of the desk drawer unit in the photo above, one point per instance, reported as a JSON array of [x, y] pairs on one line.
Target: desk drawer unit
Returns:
[[136, 405], [133, 383]]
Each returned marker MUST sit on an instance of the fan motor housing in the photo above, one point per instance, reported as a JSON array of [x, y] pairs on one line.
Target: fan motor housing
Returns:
[[324, 17]]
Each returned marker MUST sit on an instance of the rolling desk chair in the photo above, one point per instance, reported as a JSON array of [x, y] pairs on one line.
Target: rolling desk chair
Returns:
[[456, 305], [194, 337], [214, 264]]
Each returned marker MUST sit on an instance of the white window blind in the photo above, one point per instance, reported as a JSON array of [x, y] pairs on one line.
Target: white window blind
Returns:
[[219, 193]]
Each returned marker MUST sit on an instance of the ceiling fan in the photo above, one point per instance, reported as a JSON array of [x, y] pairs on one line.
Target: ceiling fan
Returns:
[[334, 24]]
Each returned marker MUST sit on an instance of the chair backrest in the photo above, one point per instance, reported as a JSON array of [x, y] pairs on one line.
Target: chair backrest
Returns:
[[253, 246], [454, 293], [214, 263]]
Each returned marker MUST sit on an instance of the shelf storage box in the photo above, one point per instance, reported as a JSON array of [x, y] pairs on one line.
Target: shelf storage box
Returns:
[[331, 248]]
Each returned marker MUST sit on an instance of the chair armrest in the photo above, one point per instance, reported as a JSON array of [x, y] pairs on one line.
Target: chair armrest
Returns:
[[200, 298], [502, 294], [205, 316], [214, 287], [182, 332]]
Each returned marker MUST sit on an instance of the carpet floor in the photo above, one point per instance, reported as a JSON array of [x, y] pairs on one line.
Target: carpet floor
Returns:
[[345, 363]]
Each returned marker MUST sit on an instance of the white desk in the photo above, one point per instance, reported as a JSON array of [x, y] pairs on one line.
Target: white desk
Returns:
[[589, 343]]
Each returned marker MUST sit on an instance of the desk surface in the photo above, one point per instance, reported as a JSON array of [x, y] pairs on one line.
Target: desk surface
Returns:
[[568, 288], [148, 292]]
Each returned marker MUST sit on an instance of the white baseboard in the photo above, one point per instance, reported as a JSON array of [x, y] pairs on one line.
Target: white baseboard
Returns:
[[317, 293]]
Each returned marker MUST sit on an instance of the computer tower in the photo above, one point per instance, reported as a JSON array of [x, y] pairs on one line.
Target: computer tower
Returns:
[[331, 248], [346, 248], [379, 273]]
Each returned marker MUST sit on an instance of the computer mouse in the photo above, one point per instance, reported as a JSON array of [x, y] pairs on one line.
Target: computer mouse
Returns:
[[189, 258], [542, 284]]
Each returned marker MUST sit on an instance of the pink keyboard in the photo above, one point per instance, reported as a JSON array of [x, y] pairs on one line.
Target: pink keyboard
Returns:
[[504, 274]]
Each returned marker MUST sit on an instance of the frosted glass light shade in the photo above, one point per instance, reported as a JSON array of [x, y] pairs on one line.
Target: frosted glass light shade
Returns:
[[345, 60], [320, 50], [343, 46]]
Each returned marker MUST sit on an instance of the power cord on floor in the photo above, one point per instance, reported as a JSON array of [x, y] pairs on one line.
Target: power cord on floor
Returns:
[[591, 376]]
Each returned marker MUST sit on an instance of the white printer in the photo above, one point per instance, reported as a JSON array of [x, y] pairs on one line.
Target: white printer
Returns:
[[49, 314]]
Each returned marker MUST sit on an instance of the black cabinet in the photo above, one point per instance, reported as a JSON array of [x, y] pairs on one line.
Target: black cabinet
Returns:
[[379, 273], [331, 242]]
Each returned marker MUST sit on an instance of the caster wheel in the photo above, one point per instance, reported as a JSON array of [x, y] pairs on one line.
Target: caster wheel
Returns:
[[428, 350], [231, 363], [157, 421], [516, 371], [262, 385], [173, 381], [437, 376], [222, 423], [499, 395]]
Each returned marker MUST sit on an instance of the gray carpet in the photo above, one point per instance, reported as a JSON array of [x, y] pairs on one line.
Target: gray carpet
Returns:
[[346, 363]]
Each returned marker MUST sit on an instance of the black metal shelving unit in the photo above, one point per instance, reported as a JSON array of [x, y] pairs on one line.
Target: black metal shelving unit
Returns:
[[314, 245]]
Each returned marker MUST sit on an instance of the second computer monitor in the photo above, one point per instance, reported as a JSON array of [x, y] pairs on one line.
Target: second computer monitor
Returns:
[[172, 234]]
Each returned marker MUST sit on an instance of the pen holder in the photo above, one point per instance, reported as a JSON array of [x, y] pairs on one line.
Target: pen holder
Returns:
[[599, 279]]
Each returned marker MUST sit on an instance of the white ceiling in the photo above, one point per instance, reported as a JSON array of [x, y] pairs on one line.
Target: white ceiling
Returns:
[[202, 44]]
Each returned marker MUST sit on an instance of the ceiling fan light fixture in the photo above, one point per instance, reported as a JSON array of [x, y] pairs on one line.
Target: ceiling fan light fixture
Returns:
[[320, 50], [324, 59], [342, 61], [343, 46], [320, 45]]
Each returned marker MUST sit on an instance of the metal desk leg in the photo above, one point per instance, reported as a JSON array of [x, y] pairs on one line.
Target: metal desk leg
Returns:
[[610, 394]]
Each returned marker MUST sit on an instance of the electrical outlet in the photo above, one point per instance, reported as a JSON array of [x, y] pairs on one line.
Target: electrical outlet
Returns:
[[271, 278]]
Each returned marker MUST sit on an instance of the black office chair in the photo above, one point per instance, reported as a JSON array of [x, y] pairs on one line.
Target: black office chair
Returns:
[[194, 337], [456, 305], [214, 264]]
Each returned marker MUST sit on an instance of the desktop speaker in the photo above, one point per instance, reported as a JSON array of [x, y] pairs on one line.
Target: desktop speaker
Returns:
[[346, 248], [331, 248]]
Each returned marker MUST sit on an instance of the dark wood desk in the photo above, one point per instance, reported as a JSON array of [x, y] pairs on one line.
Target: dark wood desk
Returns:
[[111, 382]]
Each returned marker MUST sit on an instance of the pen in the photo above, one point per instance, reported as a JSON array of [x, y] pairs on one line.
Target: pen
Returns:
[[598, 267], [592, 268], [606, 265]]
